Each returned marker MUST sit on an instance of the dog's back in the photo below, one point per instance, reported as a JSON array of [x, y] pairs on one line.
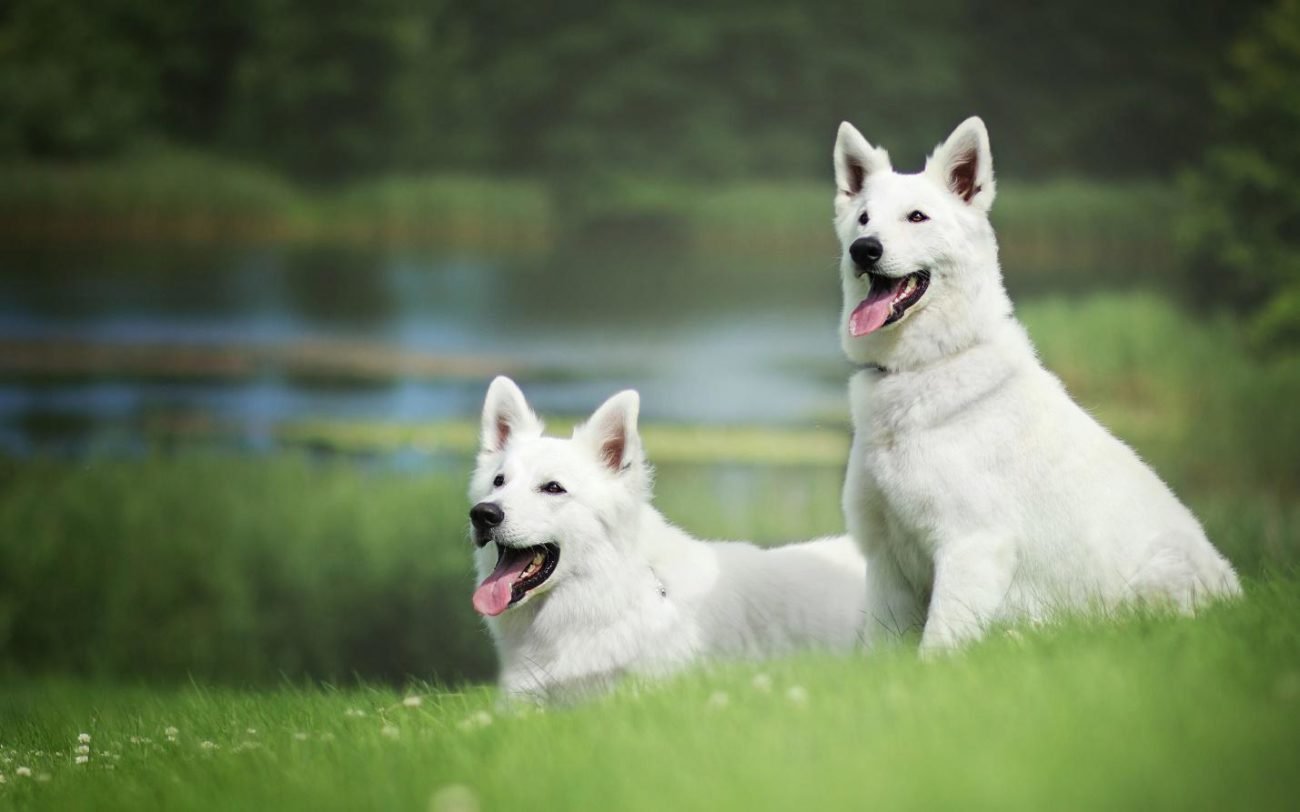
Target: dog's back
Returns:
[[754, 602]]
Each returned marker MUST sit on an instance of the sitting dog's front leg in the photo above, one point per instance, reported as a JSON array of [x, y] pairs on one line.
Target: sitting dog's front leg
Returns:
[[971, 578], [893, 609]]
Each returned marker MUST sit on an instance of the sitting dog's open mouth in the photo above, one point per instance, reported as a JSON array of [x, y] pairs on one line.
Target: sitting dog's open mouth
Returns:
[[889, 299], [519, 571]]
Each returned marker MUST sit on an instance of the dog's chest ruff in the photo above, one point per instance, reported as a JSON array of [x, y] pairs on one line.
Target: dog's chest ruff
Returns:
[[913, 458]]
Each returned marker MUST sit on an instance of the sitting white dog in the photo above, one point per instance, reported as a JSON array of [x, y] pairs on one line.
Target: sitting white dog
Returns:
[[978, 489], [582, 580]]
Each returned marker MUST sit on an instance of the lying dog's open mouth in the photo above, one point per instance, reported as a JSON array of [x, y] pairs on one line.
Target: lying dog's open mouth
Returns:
[[519, 571], [889, 299]]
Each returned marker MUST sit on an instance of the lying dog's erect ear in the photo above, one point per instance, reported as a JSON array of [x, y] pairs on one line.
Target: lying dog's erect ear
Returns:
[[505, 415], [612, 431], [964, 163], [856, 160]]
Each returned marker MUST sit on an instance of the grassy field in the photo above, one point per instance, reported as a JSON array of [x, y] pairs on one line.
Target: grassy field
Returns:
[[1139, 712]]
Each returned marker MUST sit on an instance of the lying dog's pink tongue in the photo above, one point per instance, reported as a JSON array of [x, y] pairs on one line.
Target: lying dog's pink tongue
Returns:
[[493, 595], [873, 312]]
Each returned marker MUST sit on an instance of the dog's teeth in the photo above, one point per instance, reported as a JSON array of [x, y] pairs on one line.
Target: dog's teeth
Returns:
[[537, 559]]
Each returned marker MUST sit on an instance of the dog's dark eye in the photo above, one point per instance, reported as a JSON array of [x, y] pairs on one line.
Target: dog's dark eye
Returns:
[[863, 218], [917, 217], [499, 481], [553, 487]]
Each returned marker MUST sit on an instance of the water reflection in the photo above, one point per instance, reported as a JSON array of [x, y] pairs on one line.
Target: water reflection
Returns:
[[705, 340]]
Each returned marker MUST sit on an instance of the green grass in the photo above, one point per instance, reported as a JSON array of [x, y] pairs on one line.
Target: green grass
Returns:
[[1145, 711], [237, 569], [246, 571]]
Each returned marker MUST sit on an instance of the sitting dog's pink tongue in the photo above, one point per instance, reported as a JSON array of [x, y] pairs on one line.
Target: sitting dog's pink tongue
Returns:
[[493, 595], [873, 312]]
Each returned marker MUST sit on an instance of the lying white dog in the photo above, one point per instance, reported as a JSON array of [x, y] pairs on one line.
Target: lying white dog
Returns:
[[582, 580], [978, 489]]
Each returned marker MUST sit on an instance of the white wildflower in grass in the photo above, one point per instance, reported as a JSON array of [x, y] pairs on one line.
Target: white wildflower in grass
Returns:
[[252, 731], [454, 798], [83, 738], [413, 701], [134, 740], [171, 733], [84, 749], [797, 695], [718, 700], [390, 731], [475, 720], [355, 713], [2, 778], [762, 682], [24, 772], [208, 745], [300, 736], [83, 759]]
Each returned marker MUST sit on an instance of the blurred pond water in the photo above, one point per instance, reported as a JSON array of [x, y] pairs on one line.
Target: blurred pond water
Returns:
[[98, 343]]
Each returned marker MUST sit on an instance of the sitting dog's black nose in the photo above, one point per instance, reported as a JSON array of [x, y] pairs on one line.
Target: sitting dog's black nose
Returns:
[[866, 252], [486, 515]]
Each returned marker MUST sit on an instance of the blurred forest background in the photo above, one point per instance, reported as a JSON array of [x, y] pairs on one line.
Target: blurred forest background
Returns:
[[259, 259]]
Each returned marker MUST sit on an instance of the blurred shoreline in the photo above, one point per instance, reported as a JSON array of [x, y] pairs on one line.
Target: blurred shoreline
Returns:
[[187, 197]]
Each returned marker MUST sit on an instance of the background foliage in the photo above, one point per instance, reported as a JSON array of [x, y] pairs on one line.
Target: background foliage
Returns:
[[1245, 230], [324, 90], [594, 100]]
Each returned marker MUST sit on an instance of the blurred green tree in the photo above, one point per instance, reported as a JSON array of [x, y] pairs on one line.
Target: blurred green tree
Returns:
[[74, 82], [333, 89], [586, 92], [1079, 87], [726, 89], [1245, 231]]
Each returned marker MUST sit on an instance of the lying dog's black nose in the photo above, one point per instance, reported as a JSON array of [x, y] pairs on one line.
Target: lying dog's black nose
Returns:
[[486, 515], [866, 252]]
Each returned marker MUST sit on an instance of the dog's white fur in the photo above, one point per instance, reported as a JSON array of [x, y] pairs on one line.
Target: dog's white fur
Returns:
[[979, 491], [632, 594]]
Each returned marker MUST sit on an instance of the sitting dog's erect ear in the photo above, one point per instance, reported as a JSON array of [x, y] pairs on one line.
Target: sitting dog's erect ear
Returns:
[[505, 415], [964, 164], [612, 431], [856, 160]]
